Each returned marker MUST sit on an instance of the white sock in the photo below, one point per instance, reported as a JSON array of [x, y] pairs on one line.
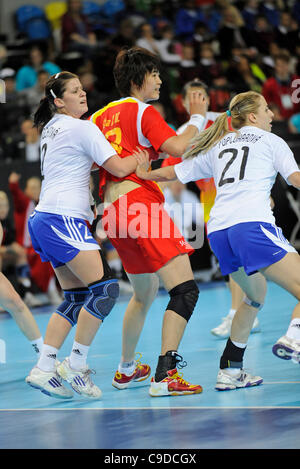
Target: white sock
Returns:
[[231, 313], [239, 344], [293, 331], [127, 368], [47, 359], [233, 371], [37, 345], [78, 356]]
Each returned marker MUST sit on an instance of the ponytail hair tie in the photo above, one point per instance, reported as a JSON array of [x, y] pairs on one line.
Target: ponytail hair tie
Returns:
[[228, 113]]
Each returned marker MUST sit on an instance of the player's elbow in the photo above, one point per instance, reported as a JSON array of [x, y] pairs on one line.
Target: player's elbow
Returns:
[[294, 179]]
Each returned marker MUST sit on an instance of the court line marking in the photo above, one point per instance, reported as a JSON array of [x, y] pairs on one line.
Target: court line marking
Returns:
[[153, 408]]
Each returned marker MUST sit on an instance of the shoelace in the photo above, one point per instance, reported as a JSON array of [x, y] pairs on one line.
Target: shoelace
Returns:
[[179, 376], [86, 376], [138, 360]]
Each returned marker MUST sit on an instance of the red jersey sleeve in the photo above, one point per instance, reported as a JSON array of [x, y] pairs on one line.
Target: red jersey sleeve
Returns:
[[155, 129]]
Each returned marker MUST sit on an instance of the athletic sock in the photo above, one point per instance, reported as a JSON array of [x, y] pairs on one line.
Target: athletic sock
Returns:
[[78, 356], [37, 345], [231, 313], [47, 359], [127, 368], [293, 331]]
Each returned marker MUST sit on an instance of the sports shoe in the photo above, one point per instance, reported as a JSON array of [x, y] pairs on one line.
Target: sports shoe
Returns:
[[80, 380], [223, 330], [31, 300], [173, 385], [287, 349], [141, 372], [49, 382], [226, 382]]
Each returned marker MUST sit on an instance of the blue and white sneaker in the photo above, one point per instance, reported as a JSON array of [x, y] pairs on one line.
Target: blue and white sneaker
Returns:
[[80, 380], [227, 381], [49, 382], [287, 349]]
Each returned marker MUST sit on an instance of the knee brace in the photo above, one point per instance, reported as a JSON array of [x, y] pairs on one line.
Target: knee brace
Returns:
[[184, 298], [103, 296], [71, 306], [254, 304]]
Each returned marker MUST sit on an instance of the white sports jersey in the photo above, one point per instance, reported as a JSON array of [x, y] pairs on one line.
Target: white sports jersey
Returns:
[[69, 147], [244, 168]]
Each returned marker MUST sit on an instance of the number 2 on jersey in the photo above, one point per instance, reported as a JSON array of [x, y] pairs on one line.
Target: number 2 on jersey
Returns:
[[117, 133], [43, 154], [234, 152]]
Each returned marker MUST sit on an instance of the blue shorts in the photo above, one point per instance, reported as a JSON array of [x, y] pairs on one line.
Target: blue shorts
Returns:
[[58, 238], [252, 245]]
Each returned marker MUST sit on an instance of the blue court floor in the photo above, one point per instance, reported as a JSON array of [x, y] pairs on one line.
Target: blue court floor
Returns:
[[267, 416]]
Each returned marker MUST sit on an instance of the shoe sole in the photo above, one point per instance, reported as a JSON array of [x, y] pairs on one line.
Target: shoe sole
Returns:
[[120, 386], [227, 387], [174, 393], [89, 396], [285, 353], [48, 393]]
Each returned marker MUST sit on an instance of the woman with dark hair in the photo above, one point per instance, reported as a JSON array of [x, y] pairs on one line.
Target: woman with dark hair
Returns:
[[60, 233], [157, 250], [242, 232]]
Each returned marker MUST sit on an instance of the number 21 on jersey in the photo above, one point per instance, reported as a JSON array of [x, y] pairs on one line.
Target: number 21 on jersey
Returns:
[[234, 153]]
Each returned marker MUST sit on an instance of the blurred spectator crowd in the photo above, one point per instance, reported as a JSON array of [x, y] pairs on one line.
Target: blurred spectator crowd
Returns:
[[233, 46]]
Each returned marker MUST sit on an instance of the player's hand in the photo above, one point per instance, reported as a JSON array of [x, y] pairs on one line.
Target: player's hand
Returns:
[[142, 168], [197, 103], [142, 157], [14, 177]]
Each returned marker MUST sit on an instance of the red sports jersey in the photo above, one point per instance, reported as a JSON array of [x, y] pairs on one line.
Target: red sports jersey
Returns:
[[129, 123]]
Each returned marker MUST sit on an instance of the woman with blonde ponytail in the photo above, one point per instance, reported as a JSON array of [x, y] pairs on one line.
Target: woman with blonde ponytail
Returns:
[[242, 232]]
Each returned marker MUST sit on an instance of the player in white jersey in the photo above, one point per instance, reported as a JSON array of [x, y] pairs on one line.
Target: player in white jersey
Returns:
[[60, 233], [207, 192], [241, 229]]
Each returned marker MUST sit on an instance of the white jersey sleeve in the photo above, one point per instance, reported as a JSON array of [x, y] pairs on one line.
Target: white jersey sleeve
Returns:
[[95, 144], [283, 157], [193, 169]]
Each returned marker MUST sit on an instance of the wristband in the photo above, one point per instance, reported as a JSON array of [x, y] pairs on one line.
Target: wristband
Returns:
[[196, 120]]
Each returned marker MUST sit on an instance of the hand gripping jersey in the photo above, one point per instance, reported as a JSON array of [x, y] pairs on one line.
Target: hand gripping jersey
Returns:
[[129, 123], [244, 167]]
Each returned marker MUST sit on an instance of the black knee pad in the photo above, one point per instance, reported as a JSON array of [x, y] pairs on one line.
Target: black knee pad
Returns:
[[184, 298]]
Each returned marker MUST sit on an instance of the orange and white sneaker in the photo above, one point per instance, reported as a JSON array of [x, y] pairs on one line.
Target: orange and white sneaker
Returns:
[[173, 385], [141, 372]]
